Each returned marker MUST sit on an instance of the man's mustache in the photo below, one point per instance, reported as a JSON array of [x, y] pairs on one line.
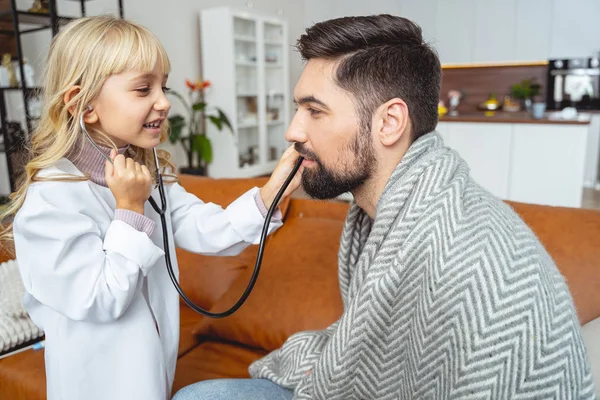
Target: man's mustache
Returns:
[[305, 153]]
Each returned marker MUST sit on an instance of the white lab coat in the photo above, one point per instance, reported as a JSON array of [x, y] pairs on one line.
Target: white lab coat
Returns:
[[96, 285]]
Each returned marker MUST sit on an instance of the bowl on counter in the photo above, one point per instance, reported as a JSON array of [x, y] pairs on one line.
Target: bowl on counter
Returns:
[[490, 106]]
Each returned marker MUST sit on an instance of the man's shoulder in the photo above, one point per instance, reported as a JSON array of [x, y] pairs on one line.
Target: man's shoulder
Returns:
[[475, 221]]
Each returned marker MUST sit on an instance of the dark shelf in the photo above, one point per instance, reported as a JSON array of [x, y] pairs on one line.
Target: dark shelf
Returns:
[[18, 89], [26, 17], [14, 24]]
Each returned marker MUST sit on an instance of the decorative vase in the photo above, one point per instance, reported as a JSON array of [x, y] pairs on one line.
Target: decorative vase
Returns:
[[199, 171]]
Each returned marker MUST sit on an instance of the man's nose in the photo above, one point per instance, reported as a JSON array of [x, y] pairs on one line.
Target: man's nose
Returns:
[[296, 131]]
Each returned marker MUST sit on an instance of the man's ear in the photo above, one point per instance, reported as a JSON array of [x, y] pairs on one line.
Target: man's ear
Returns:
[[90, 116], [393, 122]]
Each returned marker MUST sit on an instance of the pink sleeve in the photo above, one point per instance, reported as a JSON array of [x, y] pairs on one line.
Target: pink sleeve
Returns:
[[138, 221], [263, 210]]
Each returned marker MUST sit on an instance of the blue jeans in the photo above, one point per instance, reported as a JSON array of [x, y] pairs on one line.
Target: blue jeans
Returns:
[[234, 389]]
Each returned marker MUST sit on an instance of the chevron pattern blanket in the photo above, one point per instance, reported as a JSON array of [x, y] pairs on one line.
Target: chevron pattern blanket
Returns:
[[447, 295]]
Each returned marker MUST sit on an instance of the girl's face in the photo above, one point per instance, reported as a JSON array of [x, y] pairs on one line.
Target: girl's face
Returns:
[[131, 108]]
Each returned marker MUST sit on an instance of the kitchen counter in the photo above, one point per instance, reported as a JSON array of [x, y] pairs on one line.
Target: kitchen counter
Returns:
[[516, 118]]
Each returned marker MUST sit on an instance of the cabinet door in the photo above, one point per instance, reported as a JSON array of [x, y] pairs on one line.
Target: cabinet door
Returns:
[[495, 26], [592, 153], [248, 60], [275, 90], [548, 164], [575, 28], [486, 149], [533, 38], [455, 30], [442, 129]]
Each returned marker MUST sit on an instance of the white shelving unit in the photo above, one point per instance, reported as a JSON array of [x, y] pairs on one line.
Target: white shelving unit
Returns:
[[245, 56]]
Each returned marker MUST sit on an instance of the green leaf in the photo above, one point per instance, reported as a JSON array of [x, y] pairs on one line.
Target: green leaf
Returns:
[[203, 148], [224, 119], [200, 106], [176, 125], [216, 121]]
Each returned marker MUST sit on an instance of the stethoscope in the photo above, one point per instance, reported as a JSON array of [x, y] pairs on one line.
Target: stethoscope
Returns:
[[162, 211]]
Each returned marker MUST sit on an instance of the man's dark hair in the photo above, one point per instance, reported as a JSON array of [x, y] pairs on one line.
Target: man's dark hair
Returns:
[[380, 57]]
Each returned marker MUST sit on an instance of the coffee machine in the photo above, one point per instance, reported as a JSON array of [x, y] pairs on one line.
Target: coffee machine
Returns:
[[573, 82]]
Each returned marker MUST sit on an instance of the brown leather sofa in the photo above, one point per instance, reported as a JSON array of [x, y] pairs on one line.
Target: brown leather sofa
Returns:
[[297, 288]]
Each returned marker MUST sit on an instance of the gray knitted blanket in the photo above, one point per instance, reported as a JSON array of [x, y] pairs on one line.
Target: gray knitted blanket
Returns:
[[447, 294]]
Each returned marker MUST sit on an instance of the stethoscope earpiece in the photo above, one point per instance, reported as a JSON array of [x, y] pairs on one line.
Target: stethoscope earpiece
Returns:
[[87, 135]]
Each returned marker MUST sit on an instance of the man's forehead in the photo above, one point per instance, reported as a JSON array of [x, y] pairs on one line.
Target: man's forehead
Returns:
[[316, 78]]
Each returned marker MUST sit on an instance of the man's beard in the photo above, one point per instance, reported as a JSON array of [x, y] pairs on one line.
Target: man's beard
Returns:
[[321, 182]]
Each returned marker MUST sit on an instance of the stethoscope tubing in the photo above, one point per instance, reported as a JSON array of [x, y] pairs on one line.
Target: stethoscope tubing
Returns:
[[161, 211]]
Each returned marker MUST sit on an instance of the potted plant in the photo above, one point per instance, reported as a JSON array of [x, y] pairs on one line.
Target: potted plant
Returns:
[[190, 130], [525, 91]]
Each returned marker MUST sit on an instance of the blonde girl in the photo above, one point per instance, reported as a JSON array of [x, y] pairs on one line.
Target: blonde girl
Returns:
[[91, 261]]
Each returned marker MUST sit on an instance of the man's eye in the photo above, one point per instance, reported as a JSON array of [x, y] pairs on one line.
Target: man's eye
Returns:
[[313, 112]]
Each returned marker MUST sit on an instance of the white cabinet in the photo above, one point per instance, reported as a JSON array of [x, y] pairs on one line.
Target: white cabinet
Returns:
[[592, 154], [465, 31], [575, 28], [495, 31], [245, 56], [486, 149], [455, 30], [442, 129], [530, 163], [548, 164], [533, 33]]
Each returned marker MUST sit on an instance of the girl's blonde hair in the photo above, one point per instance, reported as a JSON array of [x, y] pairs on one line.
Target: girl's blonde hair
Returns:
[[85, 53]]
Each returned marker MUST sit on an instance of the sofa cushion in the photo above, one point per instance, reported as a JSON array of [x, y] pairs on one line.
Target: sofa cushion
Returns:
[[572, 238], [23, 376], [591, 338], [225, 190], [214, 360], [16, 327], [311, 208], [295, 291], [188, 319], [204, 279]]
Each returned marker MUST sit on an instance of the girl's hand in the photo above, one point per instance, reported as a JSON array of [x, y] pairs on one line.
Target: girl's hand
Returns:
[[279, 175], [129, 182]]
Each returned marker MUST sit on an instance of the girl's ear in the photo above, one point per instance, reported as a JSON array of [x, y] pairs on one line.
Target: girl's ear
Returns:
[[69, 94], [90, 116]]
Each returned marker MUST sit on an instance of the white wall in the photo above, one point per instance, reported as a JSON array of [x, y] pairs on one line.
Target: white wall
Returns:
[[468, 31], [481, 31], [461, 30], [176, 24]]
